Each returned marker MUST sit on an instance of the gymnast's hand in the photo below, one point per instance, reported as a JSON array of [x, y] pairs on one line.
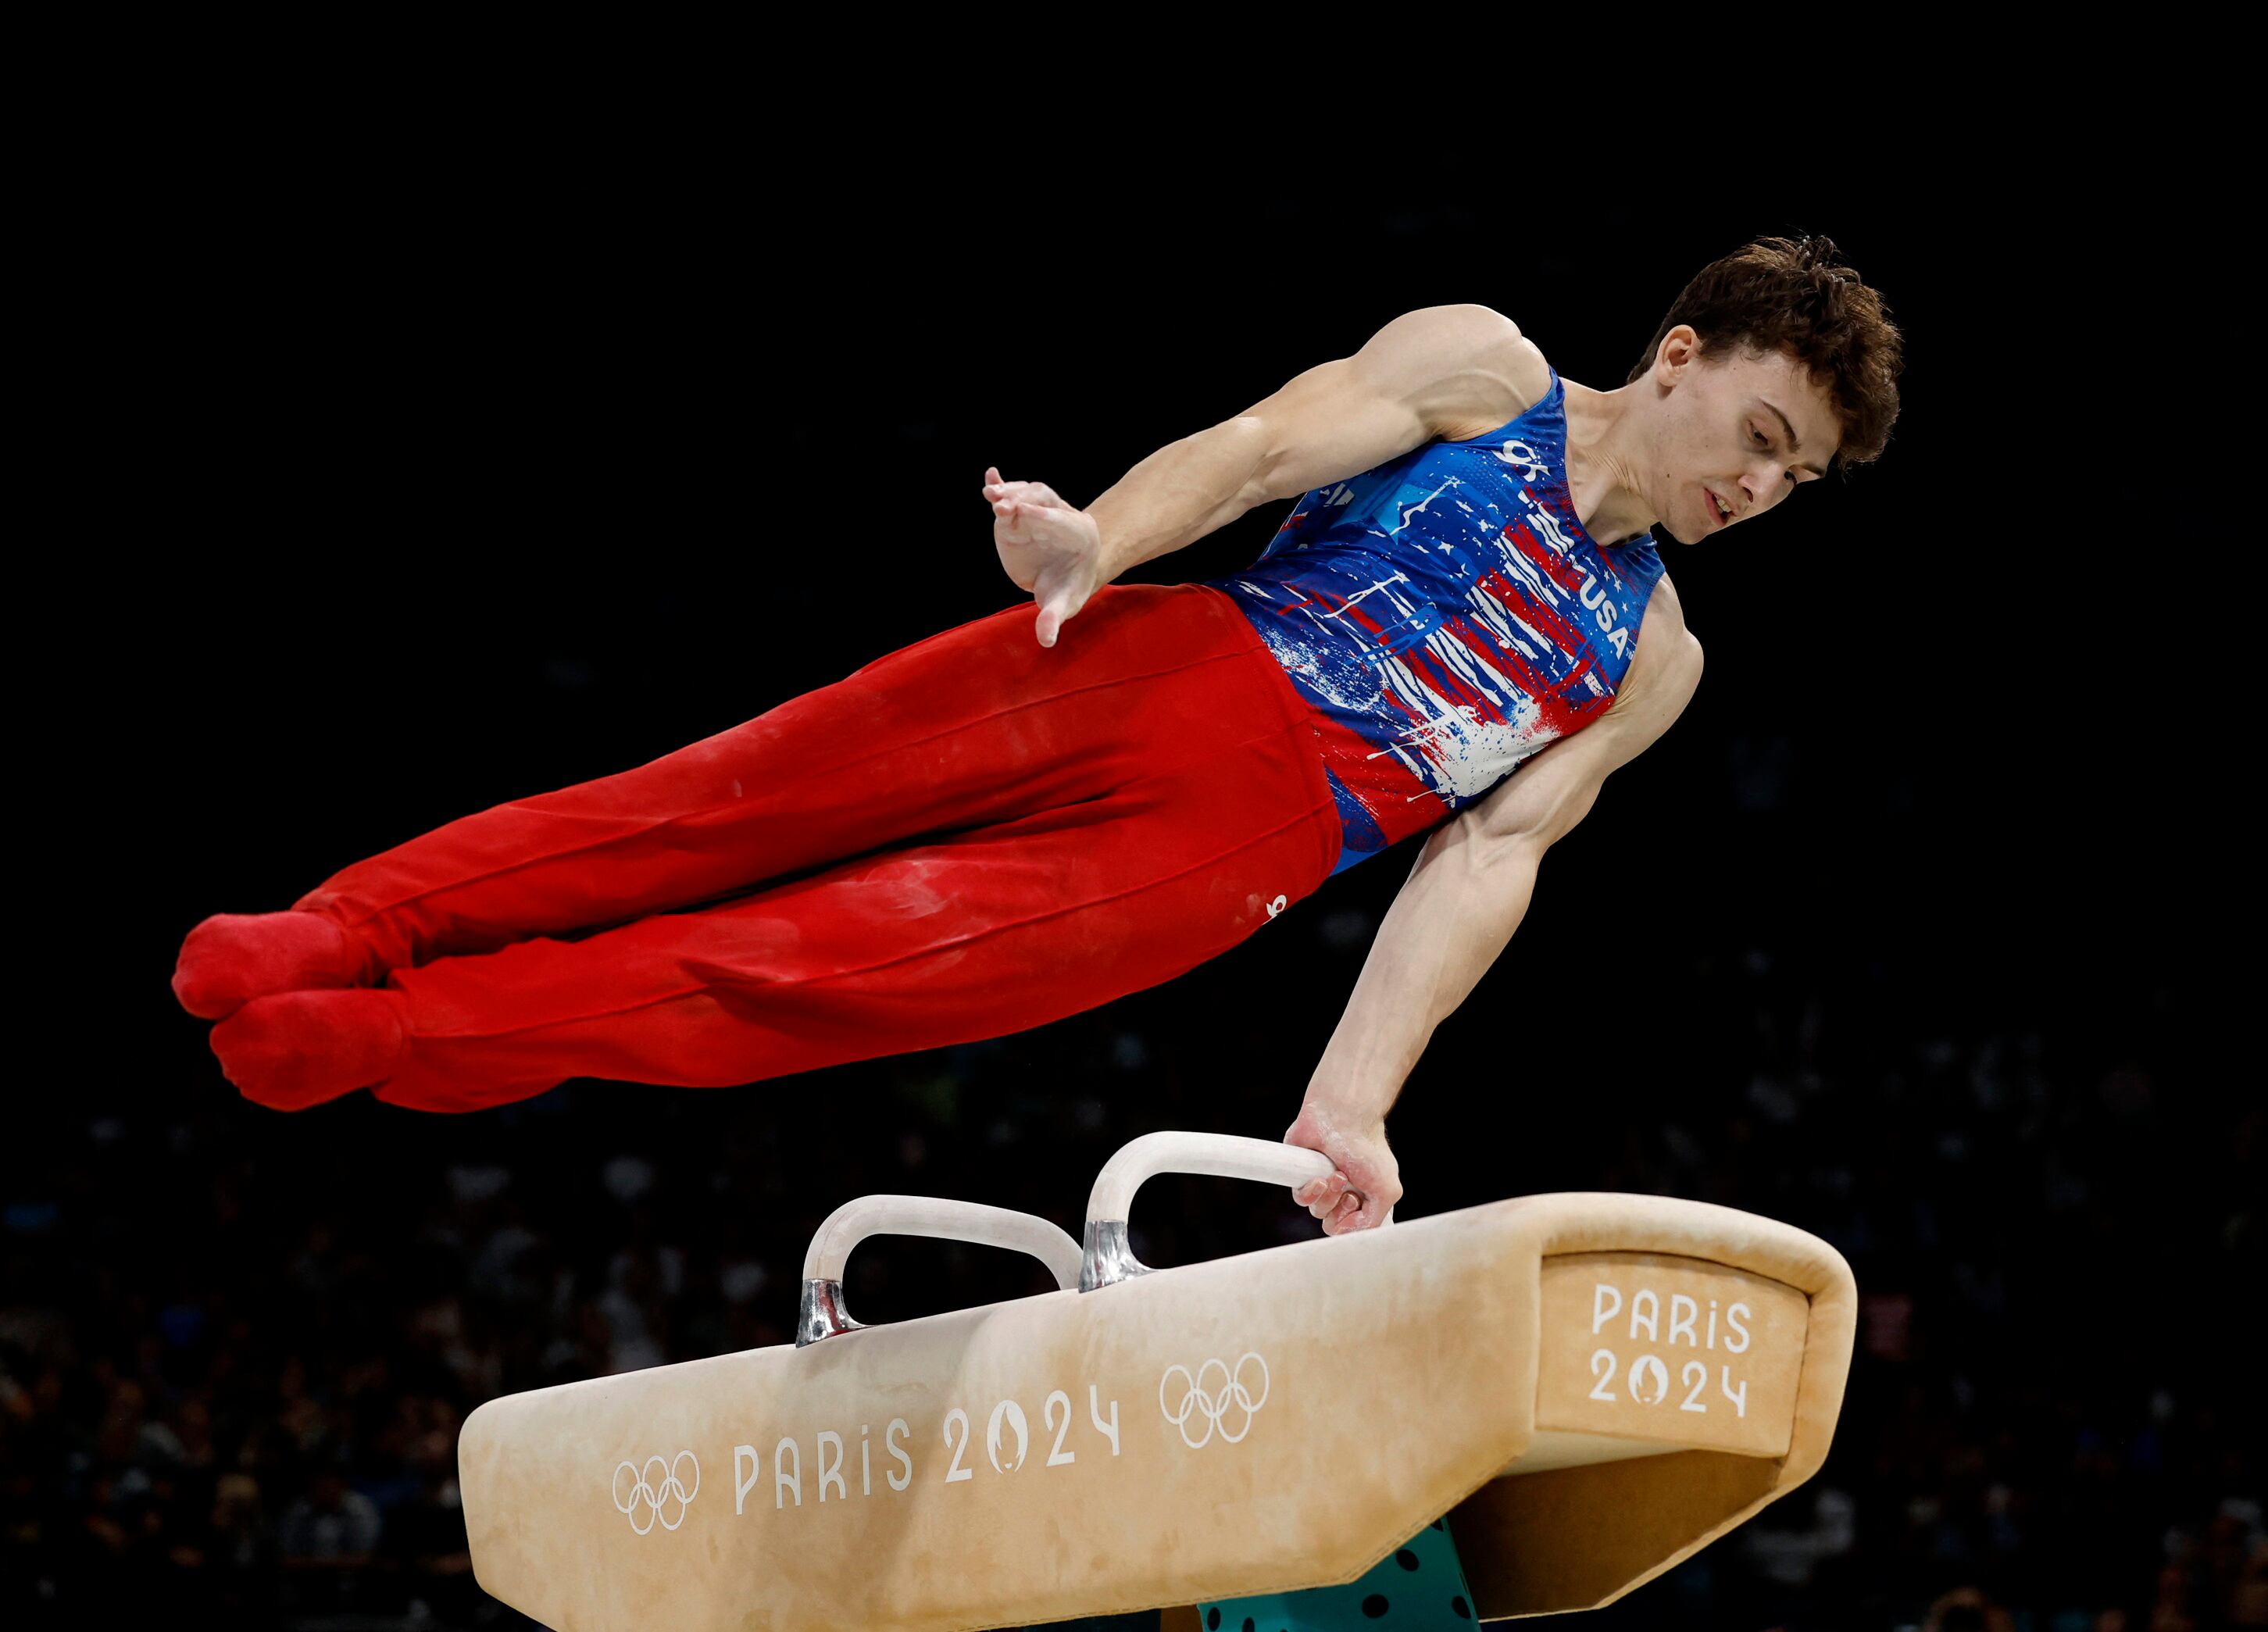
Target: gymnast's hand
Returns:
[[1047, 546], [1368, 1181]]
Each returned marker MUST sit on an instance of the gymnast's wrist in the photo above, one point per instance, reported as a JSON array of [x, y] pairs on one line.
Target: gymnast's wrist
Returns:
[[1349, 1103], [1112, 557]]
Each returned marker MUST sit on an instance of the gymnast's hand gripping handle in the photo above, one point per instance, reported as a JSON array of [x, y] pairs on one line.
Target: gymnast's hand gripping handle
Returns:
[[1106, 1257], [823, 1315]]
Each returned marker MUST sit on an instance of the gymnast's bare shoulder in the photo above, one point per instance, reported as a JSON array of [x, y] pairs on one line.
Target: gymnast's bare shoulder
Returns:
[[1540, 804], [1504, 375], [1665, 668], [1436, 373]]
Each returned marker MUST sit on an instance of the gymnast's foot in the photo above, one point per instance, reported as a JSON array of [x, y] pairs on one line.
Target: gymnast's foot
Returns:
[[229, 960], [293, 1049]]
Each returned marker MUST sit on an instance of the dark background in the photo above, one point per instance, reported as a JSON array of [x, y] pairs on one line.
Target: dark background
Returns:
[[423, 474]]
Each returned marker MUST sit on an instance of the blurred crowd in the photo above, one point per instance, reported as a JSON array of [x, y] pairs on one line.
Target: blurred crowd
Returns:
[[236, 1349]]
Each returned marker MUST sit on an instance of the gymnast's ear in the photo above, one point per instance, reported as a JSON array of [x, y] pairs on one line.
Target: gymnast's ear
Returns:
[[1679, 350]]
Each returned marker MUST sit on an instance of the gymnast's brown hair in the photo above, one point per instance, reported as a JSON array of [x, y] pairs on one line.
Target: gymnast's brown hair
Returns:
[[1796, 294]]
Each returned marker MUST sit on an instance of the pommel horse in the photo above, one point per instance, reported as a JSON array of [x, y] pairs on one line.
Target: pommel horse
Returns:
[[1588, 1387]]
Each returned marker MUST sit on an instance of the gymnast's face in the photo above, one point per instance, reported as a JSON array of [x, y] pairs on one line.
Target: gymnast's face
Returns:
[[1737, 432]]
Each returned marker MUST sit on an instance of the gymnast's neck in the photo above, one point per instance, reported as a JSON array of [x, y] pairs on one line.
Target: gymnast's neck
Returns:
[[1609, 438]]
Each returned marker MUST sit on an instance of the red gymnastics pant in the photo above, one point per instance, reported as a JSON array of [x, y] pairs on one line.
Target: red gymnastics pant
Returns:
[[972, 836]]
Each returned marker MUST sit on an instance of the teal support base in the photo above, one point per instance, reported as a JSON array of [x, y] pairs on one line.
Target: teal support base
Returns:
[[1419, 1587]]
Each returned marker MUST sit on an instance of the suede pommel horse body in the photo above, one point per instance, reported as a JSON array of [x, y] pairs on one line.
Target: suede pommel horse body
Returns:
[[1590, 1387]]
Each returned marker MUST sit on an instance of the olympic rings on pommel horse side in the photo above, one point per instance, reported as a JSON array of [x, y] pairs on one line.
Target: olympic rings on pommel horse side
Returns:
[[1590, 1387]]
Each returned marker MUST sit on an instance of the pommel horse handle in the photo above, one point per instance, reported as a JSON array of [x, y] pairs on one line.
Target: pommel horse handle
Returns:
[[1105, 1257], [823, 1315]]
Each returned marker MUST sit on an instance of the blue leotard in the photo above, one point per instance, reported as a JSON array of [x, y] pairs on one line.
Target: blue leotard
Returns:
[[1446, 616]]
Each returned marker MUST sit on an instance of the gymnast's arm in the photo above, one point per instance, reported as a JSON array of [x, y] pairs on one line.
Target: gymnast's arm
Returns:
[[1427, 371], [1472, 880], [1425, 374]]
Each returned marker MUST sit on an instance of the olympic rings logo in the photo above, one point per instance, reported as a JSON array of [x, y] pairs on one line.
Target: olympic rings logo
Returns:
[[645, 1492], [1213, 1406]]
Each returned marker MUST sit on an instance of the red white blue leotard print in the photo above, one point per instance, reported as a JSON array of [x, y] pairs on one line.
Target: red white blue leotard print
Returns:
[[1446, 616]]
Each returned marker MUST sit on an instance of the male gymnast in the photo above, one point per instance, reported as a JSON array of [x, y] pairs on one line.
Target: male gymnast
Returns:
[[1037, 812]]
